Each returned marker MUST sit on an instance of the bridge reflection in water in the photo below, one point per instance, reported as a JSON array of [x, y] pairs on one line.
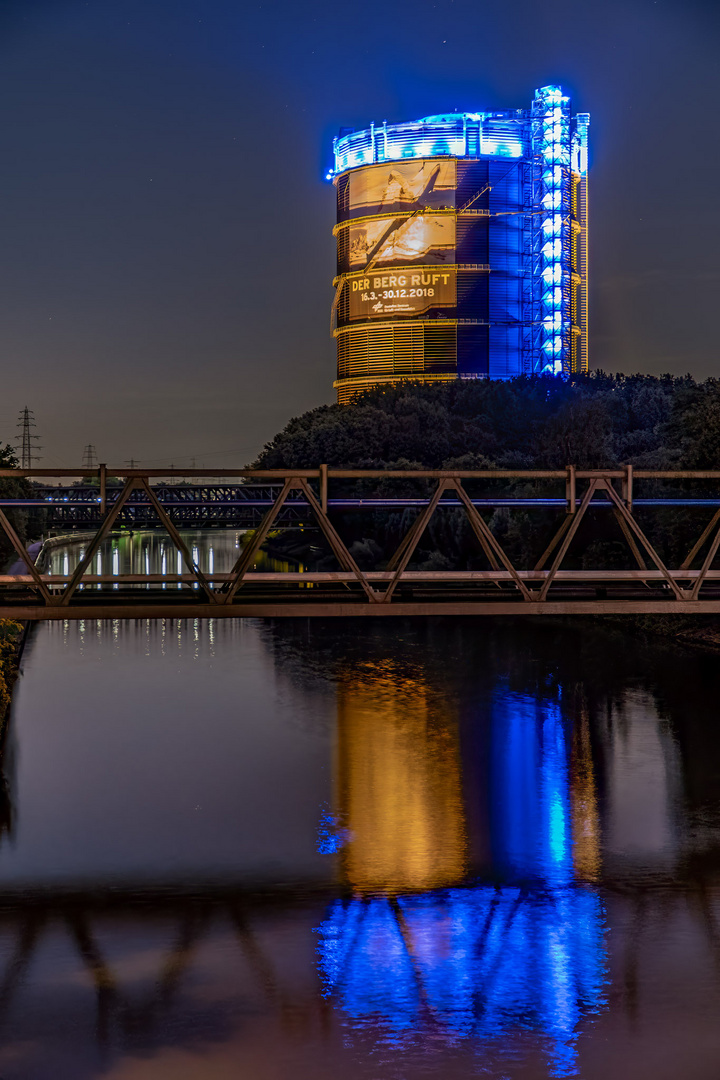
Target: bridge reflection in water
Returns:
[[411, 951], [151, 553]]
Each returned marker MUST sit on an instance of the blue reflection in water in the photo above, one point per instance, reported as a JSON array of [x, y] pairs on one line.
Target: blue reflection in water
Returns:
[[481, 962], [530, 810], [331, 835], [487, 962]]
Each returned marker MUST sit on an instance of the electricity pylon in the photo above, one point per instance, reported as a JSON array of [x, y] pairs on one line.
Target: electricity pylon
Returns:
[[26, 440], [90, 457]]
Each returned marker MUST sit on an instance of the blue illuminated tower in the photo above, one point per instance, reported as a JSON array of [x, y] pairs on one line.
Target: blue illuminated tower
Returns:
[[462, 246]]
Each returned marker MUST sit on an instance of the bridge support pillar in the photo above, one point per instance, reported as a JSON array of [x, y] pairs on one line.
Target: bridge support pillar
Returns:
[[627, 487], [324, 488], [570, 492]]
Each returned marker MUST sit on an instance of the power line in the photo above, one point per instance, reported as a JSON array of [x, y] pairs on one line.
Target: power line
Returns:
[[26, 440], [183, 459]]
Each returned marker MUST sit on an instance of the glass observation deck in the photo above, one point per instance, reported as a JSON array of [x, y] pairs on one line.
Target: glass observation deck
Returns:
[[509, 134], [458, 134]]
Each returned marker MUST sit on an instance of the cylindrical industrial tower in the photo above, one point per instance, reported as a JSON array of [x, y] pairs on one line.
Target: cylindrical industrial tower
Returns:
[[462, 246]]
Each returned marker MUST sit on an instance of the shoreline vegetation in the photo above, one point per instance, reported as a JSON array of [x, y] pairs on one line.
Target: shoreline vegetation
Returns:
[[531, 422], [11, 635]]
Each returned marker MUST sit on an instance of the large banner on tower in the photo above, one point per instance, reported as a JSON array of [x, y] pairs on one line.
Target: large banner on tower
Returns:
[[416, 238], [395, 186], [388, 293]]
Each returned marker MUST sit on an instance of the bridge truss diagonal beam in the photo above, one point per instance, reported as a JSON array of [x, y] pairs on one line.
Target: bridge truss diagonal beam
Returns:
[[640, 535], [629, 527], [568, 534], [697, 546], [178, 541], [707, 563], [412, 538], [338, 548], [567, 522], [97, 540], [630, 539], [22, 551], [132, 484], [337, 545], [242, 564], [486, 538]]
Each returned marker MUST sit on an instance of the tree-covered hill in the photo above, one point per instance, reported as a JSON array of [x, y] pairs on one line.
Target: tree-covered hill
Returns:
[[529, 422]]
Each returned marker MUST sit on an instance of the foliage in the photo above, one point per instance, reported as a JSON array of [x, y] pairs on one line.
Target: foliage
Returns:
[[10, 633], [13, 489], [531, 422], [528, 422]]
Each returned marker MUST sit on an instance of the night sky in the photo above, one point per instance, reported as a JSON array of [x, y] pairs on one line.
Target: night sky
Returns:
[[165, 241]]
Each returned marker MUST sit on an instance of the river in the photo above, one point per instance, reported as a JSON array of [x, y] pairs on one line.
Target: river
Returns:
[[377, 850]]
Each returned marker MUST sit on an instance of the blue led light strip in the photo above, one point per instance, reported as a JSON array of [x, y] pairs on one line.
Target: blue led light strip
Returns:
[[454, 135], [552, 146]]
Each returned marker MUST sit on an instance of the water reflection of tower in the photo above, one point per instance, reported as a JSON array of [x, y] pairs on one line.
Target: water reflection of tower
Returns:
[[523, 805], [584, 800], [418, 947], [398, 782], [544, 806], [529, 789]]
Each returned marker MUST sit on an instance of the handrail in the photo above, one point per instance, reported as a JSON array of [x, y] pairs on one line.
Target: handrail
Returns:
[[391, 474]]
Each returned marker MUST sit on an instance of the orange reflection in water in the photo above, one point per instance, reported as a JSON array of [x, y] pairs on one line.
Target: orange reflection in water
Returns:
[[583, 802], [399, 782]]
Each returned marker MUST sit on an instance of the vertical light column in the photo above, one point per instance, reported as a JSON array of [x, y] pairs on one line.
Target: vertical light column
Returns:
[[551, 146], [580, 168]]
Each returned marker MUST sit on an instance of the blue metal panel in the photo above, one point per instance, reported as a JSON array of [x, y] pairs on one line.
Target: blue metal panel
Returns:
[[506, 235]]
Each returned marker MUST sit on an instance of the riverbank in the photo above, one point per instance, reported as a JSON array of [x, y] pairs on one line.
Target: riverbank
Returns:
[[40, 549], [11, 639], [698, 631]]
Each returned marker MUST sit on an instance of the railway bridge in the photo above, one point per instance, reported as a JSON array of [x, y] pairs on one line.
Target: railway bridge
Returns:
[[548, 509]]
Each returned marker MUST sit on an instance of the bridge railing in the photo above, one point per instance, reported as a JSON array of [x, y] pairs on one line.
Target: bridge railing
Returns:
[[325, 497]]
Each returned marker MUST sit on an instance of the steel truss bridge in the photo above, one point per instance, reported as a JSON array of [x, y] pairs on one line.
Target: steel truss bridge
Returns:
[[267, 500]]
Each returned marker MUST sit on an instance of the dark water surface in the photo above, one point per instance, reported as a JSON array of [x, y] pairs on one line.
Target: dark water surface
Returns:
[[379, 850]]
